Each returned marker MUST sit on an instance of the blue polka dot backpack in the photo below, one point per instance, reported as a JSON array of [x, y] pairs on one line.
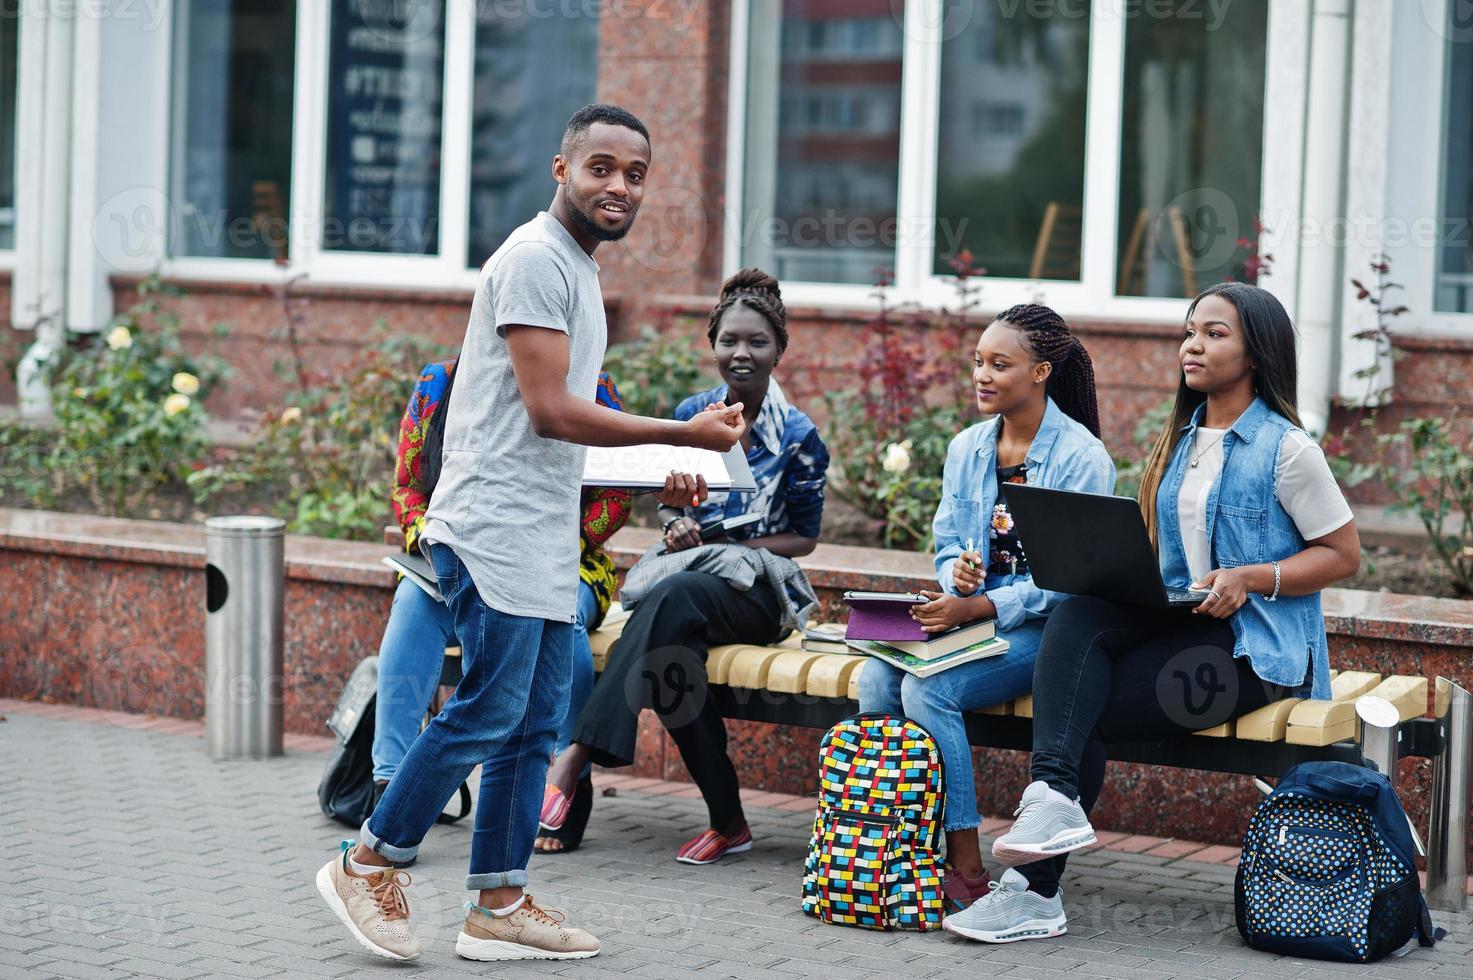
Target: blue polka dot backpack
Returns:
[[1328, 871]]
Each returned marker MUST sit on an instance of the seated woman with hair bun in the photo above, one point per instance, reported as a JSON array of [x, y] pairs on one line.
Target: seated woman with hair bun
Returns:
[[688, 597]]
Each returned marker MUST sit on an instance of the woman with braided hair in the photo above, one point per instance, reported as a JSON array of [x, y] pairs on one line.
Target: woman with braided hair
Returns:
[[1036, 382], [688, 596]]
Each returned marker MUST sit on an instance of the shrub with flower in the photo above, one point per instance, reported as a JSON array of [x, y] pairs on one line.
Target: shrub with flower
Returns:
[[324, 463], [889, 432], [128, 408]]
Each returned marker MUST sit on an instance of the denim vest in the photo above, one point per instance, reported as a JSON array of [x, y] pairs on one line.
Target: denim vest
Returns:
[[1279, 638]]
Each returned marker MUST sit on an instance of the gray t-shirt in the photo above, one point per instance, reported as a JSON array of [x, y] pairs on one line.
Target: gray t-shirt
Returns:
[[507, 499]]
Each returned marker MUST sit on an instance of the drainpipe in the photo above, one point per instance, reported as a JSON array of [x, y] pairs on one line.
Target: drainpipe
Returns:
[[44, 182], [1322, 260]]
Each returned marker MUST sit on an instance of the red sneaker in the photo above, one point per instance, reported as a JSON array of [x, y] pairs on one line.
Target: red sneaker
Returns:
[[960, 890], [711, 846]]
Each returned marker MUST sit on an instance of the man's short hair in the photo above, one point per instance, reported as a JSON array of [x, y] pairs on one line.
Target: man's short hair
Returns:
[[598, 112]]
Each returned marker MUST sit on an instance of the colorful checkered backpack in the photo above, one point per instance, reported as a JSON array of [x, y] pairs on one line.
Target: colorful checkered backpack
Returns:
[[873, 860], [1328, 871]]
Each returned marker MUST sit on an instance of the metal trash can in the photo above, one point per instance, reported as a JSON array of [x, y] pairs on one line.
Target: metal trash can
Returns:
[[245, 577]]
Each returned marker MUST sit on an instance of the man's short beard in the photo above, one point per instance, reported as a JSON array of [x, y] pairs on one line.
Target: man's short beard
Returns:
[[595, 230]]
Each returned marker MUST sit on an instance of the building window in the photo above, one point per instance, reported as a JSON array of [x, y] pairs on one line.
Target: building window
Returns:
[[386, 79], [1191, 147], [1454, 292], [9, 36], [531, 73], [823, 140], [1010, 164], [232, 139]]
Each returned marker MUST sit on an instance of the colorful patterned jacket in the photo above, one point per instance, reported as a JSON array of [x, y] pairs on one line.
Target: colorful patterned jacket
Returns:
[[604, 509]]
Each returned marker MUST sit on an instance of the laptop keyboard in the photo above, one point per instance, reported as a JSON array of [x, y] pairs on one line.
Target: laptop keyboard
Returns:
[[1183, 595]]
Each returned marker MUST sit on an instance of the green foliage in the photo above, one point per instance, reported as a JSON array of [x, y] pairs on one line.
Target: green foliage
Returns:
[[25, 451], [657, 371], [128, 406], [325, 461], [888, 435], [1432, 476], [1143, 438]]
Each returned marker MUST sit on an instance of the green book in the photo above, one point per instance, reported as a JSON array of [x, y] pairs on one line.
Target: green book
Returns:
[[920, 667]]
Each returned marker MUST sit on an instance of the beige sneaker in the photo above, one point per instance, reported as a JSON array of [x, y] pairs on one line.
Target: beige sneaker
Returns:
[[529, 933], [373, 907]]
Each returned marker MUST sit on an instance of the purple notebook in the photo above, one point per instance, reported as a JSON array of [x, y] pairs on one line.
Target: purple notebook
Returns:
[[885, 619]]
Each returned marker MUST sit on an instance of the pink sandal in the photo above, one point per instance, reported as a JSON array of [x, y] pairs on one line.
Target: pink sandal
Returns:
[[554, 808]]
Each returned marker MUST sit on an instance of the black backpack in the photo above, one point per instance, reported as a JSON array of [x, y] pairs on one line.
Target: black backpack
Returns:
[[347, 792]]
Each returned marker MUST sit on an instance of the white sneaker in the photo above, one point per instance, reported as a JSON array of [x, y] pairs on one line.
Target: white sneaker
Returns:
[[1048, 824], [1010, 913]]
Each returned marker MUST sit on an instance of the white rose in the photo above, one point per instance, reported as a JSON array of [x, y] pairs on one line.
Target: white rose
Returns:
[[291, 415], [897, 457], [119, 338], [175, 404], [185, 383]]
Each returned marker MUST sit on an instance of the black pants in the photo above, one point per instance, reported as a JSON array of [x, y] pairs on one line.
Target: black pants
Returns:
[[659, 662], [1114, 673]]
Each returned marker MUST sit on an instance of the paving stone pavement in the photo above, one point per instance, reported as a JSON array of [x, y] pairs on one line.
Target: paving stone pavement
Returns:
[[128, 852]]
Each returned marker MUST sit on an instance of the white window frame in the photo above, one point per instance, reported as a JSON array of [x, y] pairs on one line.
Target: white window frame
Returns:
[[1415, 181], [1093, 296], [306, 256]]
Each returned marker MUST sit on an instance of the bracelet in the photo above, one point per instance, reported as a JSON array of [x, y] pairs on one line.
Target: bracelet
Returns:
[[665, 528], [1275, 596]]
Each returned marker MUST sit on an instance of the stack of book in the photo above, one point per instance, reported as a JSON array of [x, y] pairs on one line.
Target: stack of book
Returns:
[[880, 625], [825, 638]]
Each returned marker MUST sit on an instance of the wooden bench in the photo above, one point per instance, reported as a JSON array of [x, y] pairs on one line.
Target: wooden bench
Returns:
[[784, 684]]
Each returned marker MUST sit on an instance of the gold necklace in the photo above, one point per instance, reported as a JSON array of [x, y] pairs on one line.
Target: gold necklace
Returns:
[[1197, 456]]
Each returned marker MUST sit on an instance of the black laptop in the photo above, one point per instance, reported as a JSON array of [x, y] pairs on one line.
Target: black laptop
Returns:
[[1090, 544]]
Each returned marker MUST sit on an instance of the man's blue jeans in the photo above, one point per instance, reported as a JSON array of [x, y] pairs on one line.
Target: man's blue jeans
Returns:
[[504, 716], [409, 659], [936, 704]]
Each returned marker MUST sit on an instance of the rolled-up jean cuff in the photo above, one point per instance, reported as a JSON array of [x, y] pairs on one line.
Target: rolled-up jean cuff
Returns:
[[379, 846], [496, 879]]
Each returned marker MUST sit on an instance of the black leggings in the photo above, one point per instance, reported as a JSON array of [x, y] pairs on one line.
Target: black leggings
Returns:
[[1114, 673], [659, 661]]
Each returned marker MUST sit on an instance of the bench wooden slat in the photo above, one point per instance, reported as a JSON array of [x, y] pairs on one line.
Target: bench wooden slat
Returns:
[[853, 690], [1023, 707], [1001, 710], [828, 677], [1407, 694], [718, 662], [1268, 723], [1328, 722], [788, 672], [1225, 730]]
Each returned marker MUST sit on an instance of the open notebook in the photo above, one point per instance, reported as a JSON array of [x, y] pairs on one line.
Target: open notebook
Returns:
[[645, 467]]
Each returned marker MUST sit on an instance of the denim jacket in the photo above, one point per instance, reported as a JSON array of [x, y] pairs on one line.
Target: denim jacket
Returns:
[[1281, 638], [1064, 455]]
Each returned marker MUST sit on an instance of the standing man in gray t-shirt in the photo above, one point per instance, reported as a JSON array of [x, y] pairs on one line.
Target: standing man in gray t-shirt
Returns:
[[502, 534]]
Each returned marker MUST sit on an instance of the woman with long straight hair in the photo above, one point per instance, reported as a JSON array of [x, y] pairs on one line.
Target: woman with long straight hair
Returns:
[[1036, 382], [1241, 505]]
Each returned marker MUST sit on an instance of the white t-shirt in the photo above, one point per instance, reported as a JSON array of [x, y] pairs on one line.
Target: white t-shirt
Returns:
[[1306, 490]]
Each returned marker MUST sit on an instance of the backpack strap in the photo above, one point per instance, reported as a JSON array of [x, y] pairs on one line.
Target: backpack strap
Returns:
[[465, 807], [1427, 933]]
